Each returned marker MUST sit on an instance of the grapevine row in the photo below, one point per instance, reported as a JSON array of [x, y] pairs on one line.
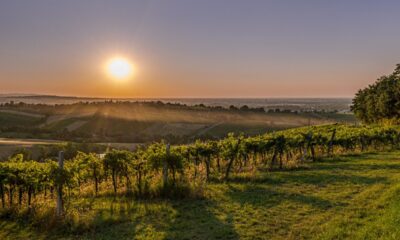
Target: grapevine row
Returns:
[[157, 170]]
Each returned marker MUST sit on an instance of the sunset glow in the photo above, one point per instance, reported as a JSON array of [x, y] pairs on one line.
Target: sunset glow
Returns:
[[119, 68], [196, 49]]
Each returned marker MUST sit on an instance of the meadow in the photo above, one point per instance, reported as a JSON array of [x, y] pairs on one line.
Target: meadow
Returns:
[[353, 196]]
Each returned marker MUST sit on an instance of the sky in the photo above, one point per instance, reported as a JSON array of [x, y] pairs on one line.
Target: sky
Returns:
[[198, 48]]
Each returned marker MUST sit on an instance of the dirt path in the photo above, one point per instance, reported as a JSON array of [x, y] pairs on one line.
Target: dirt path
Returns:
[[35, 115], [27, 142], [75, 125], [203, 131]]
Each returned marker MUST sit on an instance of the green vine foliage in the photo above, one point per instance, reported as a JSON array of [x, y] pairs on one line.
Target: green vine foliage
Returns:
[[139, 172]]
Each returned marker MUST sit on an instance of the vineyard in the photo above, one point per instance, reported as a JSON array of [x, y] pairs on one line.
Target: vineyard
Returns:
[[162, 171]]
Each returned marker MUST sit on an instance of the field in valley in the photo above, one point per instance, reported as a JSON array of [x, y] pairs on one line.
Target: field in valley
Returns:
[[136, 122]]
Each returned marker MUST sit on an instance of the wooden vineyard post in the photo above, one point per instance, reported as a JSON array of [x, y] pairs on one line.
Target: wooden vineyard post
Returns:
[[310, 145], [59, 207], [330, 150], [165, 166]]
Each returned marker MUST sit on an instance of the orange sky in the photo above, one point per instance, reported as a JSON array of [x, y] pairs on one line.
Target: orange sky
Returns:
[[197, 49]]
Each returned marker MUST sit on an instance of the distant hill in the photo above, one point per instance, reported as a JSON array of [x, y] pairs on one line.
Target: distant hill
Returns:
[[118, 121]]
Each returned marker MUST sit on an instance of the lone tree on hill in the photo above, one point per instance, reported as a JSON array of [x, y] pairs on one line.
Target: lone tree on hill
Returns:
[[380, 101]]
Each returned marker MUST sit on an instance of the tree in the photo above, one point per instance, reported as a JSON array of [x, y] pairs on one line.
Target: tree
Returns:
[[380, 101]]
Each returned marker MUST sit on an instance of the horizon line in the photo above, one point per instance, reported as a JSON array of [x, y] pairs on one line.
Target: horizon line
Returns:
[[169, 97]]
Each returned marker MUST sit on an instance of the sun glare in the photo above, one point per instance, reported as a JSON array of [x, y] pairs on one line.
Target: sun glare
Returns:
[[119, 68]]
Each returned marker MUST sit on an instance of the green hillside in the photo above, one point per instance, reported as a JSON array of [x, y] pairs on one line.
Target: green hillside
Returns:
[[144, 122], [10, 119]]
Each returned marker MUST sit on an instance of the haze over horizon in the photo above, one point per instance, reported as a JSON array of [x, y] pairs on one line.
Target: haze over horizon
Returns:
[[19, 95], [197, 49]]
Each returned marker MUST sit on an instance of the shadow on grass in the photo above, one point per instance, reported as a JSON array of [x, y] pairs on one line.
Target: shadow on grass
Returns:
[[266, 197], [313, 177], [197, 220], [14, 230], [360, 162], [107, 218], [323, 178], [360, 167], [259, 190], [169, 219]]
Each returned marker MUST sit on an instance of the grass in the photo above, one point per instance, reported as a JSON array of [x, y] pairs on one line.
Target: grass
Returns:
[[247, 128], [15, 120], [351, 197]]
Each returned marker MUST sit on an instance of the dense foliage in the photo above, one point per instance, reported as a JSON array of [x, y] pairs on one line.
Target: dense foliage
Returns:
[[379, 101], [182, 170]]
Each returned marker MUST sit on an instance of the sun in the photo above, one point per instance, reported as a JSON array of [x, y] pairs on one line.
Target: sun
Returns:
[[119, 68]]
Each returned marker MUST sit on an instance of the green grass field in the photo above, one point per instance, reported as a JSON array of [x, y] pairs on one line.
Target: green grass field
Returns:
[[11, 119], [351, 197]]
